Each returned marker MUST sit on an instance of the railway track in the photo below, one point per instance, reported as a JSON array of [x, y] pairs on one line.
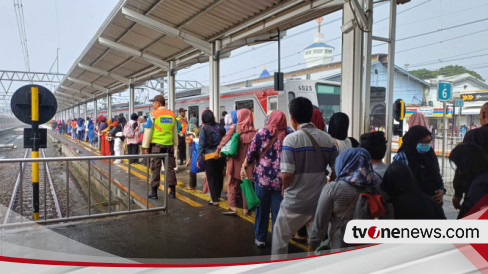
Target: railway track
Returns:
[[21, 203]]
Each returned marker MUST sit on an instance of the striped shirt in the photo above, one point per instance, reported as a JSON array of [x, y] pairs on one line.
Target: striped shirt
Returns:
[[300, 158]]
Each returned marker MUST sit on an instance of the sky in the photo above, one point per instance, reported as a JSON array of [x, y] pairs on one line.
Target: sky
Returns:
[[430, 34]]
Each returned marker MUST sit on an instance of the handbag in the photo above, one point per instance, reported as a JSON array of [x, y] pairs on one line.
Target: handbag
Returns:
[[232, 146], [252, 199], [109, 138]]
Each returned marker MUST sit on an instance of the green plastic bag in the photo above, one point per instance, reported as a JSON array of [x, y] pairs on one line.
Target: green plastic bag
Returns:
[[230, 149], [252, 199]]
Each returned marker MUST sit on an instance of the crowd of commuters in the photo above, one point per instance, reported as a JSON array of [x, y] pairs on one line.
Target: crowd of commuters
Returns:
[[305, 178]]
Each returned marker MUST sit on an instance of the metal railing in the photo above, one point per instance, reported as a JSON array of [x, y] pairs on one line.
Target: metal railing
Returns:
[[89, 159]]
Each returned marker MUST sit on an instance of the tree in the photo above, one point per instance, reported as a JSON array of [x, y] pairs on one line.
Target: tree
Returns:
[[446, 71]]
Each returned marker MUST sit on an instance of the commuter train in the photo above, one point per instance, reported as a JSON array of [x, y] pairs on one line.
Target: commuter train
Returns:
[[261, 99]]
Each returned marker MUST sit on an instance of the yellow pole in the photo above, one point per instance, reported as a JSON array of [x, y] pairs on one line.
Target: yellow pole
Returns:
[[35, 151]]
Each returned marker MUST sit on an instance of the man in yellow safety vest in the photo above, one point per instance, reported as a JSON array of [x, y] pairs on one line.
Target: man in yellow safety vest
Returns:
[[159, 137], [182, 124]]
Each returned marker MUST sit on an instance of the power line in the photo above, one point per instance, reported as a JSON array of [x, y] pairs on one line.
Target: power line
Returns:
[[19, 15], [442, 41]]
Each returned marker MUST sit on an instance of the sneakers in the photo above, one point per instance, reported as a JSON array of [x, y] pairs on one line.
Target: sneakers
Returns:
[[259, 243], [229, 212], [153, 195], [213, 203]]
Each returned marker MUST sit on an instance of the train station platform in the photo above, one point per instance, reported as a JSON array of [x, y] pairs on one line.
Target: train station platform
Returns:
[[190, 228]]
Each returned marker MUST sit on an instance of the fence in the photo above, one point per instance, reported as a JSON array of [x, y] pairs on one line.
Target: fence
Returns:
[[90, 164]]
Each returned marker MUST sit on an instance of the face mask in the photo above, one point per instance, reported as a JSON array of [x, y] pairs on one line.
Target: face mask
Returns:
[[423, 148]]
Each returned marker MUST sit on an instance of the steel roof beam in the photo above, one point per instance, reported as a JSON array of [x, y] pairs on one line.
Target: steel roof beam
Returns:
[[77, 91], [168, 30], [114, 76], [93, 86], [130, 51]]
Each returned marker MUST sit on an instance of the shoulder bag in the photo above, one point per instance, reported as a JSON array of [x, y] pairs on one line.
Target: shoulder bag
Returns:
[[232, 146], [318, 150]]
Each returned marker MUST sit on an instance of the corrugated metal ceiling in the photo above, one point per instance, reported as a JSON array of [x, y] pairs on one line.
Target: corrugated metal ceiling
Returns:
[[232, 21]]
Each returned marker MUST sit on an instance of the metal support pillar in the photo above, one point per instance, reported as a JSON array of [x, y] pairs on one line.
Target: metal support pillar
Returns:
[[366, 88], [444, 137], [131, 97], [171, 86], [214, 62], [109, 106], [79, 111], [86, 110], [352, 53], [390, 77], [95, 108]]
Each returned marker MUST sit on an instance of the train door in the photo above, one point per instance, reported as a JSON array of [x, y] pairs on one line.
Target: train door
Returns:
[[193, 112]]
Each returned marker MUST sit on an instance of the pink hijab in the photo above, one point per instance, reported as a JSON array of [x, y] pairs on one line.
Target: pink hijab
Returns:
[[418, 119], [318, 119], [277, 122], [244, 121], [245, 125]]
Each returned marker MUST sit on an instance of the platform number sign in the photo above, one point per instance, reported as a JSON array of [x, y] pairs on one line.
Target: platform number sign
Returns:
[[444, 91]]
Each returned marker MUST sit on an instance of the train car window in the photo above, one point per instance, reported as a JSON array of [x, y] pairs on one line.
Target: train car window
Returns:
[[328, 89], [291, 96], [193, 111], [272, 103], [249, 104], [139, 113], [329, 99], [222, 109]]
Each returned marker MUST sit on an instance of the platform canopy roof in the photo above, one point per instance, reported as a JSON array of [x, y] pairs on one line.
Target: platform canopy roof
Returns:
[[139, 38]]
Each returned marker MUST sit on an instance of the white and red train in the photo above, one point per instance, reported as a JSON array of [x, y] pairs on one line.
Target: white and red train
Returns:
[[261, 99]]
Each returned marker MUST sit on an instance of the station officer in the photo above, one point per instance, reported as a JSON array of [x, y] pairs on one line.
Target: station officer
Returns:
[[182, 124], [160, 137]]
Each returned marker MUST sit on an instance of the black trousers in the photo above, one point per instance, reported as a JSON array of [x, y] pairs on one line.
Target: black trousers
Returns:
[[181, 149], [193, 179], [133, 149], [215, 177]]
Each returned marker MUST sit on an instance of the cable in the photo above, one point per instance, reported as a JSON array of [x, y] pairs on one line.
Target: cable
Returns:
[[442, 41]]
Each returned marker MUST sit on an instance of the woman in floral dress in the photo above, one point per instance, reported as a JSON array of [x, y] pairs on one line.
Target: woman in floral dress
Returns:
[[265, 152]]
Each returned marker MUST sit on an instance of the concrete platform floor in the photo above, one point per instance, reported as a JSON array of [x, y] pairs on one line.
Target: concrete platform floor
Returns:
[[190, 229]]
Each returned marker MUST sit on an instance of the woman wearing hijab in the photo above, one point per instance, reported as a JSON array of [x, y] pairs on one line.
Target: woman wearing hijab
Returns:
[[233, 114], [265, 151], [408, 201], [245, 128], [416, 152], [91, 129], [417, 119], [80, 128], [104, 128], [471, 178], [338, 198], [117, 133], [338, 126], [108, 139], [209, 139], [228, 121], [318, 119]]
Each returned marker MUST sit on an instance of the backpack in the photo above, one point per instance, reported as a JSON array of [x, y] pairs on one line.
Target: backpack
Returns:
[[370, 204], [129, 130]]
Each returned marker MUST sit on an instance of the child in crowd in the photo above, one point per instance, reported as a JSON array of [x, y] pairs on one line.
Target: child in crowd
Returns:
[[193, 149]]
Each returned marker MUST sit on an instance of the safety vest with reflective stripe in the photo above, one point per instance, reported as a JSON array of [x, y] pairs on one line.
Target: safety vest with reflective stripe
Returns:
[[163, 124], [183, 123]]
